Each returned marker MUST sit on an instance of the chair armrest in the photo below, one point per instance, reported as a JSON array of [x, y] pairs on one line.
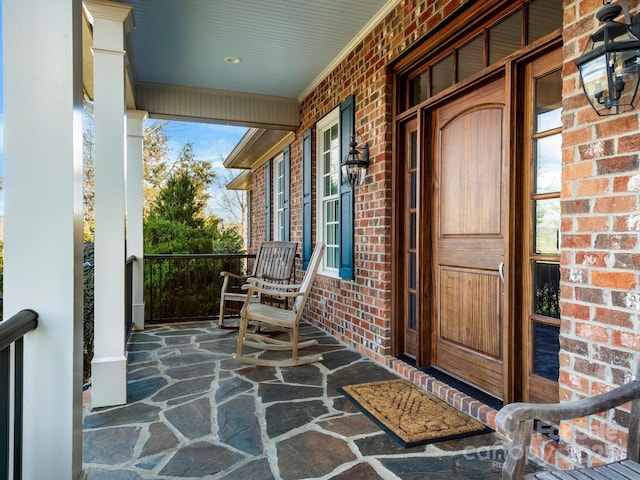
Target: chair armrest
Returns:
[[517, 420], [233, 275], [511, 415]]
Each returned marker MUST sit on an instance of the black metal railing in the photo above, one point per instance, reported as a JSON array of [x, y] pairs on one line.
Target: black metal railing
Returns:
[[12, 332], [128, 297], [187, 287]]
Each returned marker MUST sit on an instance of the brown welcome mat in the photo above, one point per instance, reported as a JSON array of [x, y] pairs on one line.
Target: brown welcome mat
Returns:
[[409, 414]]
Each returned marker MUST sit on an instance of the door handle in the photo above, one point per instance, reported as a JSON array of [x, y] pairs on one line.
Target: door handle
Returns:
[[501, 271]]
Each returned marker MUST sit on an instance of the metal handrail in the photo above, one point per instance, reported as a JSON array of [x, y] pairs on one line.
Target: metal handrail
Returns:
[[128, 296], [12, 331], [17, 326], [186, 287]]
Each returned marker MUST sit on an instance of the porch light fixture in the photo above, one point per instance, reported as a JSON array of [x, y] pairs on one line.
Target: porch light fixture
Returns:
[[354, 166], [609, 64]]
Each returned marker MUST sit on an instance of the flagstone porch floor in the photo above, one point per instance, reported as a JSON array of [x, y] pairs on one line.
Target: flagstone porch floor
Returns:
[[196, 413]]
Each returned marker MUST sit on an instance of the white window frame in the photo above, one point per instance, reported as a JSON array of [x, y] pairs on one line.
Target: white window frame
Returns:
[[323, 233], [278, 198]]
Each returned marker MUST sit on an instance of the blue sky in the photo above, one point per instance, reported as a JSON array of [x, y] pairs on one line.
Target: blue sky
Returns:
[[210, 142]]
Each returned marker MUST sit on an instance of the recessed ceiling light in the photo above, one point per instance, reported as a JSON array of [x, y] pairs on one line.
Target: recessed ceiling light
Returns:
[[233, 60]]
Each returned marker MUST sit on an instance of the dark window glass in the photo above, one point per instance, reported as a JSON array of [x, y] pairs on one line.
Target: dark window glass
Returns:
[[505, 37], [412, 193], [412, 271], [412, 230], [546, 285], [413, 150], [412, 311], [546, 350], [471, 58], [419, 89], [442, 75], [549, 101], [545, 16]]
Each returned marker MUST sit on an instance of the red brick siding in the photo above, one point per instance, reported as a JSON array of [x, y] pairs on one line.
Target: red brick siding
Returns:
[[600, 294], [600, 225]]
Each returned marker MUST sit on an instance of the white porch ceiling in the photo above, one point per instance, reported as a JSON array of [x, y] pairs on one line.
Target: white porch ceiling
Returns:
[[285, 45], [177, 69]]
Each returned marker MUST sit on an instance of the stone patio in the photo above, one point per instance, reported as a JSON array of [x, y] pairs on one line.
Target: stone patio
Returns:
[[194, 412]]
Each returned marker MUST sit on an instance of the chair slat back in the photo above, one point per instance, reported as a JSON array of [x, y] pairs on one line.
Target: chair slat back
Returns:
[[307, 281], [275, 261]]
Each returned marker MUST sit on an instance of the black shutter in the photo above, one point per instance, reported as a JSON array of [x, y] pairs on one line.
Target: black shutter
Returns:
[[307, 247], [267, 201], [347, 124], [286, 165]]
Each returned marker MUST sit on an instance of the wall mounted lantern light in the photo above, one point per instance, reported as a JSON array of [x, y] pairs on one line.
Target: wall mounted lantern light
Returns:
[[609, 64], [354, 166]]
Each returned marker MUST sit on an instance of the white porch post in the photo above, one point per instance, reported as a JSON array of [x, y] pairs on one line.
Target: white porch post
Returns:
[[42, 76], [135, 207], [111, 21]]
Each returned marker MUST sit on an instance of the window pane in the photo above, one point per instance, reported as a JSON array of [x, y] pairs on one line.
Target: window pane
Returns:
[[545, 16], [548, 164], [412, 190], [506, 37], [412, 311], [413, 150], [471, 58], [546, 349], [442, 75], [412, 271], [548, 226], [327, 140], [281, 225], [412, 230], [549, 101], [546, 284], [418, 89]]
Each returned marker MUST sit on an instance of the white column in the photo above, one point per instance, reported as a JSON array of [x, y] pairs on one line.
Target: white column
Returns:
[[42, 76], [110, 22], [135, 207]]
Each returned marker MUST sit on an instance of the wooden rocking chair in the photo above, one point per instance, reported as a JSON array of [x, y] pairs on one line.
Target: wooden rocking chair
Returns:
[[274, 262], [281, 319]]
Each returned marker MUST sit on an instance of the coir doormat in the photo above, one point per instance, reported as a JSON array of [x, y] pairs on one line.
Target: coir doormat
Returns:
[[409, 414]]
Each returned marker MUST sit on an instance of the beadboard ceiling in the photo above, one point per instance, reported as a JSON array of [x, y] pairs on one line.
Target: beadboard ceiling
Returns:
[[285, 45]]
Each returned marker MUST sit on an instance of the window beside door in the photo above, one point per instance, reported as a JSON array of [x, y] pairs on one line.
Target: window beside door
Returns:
[[542, 309], [328, 188], [278, 197]]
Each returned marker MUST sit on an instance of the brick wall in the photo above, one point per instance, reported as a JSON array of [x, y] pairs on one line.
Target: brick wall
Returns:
[[600, 258], [359, 312], [257, 210]]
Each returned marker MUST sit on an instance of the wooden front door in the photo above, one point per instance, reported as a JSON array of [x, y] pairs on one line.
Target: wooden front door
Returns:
[[470, 213]]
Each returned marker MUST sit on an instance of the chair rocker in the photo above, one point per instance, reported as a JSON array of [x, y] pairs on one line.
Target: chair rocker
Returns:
[[268, 318], [274, 262]]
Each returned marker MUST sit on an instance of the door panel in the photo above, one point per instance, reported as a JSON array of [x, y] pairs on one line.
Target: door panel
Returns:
[[476, 329], [471, 204], [470, 190]]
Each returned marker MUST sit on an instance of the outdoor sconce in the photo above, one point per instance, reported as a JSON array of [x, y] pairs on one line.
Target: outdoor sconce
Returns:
[[354, 166], [609, 64]]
